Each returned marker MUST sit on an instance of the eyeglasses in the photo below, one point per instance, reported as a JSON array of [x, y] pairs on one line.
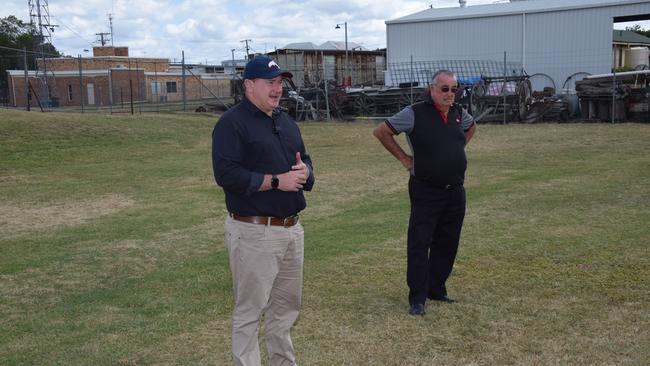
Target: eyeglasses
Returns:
[[446, 89]]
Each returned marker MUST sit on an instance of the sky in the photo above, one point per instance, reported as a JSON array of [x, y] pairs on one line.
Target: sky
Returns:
[[207, 30]]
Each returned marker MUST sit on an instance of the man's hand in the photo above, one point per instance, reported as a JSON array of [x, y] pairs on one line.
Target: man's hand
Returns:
[[386, 136], [294, 179], [407, 162]]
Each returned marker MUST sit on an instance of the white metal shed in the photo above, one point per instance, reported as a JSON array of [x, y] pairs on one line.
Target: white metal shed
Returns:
[[554, 37]]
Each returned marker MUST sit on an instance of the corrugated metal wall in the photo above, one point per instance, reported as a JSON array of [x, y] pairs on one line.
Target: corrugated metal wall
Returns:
[[478, 38], [557, 43]]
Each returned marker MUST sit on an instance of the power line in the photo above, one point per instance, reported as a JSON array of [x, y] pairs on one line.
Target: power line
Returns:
[[73, 31]]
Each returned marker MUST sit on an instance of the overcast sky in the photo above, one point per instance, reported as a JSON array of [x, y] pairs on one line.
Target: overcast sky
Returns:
[[207, 30]]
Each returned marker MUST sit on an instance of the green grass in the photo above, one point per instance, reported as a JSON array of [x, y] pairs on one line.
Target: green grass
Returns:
[[112, 250]]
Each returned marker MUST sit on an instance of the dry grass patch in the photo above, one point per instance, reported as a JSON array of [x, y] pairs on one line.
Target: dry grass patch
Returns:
[[30, 217], [100, 265]]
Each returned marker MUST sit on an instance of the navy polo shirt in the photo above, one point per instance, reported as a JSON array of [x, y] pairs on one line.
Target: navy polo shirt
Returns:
[[246, 144]]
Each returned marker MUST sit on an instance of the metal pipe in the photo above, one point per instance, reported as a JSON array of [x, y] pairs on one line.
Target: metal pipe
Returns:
[[626, 73]]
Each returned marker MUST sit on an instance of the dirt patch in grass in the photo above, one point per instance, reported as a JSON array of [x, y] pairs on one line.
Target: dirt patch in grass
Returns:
[[12, 179], [16, 220]]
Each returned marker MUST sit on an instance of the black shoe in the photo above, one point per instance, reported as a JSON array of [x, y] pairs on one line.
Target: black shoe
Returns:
[[417, 309], [443, 298]]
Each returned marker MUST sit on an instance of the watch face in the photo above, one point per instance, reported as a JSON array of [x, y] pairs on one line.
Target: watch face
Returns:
[[274, 182]]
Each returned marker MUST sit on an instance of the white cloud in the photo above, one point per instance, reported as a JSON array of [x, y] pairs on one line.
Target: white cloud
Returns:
[[209, 29]]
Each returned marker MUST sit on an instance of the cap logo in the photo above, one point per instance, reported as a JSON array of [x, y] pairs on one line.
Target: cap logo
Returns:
[[272, 63]]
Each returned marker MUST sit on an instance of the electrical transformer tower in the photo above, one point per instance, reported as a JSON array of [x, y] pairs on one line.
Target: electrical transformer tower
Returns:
[[39, 16]]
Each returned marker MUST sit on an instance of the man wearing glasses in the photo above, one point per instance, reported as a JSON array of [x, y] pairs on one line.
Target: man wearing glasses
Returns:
[[437, 131]]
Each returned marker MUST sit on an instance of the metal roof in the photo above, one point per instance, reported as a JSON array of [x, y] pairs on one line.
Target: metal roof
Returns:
[[512, 8], [625, 36], [327, 46], [301, 46]]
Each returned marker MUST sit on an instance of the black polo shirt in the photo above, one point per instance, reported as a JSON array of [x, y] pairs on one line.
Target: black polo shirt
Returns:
[[246, 144]]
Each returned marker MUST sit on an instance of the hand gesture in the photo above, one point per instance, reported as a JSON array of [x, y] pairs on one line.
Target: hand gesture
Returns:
[[294, 179]]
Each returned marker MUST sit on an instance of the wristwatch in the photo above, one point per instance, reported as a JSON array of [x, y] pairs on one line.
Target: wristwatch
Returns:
[[275, 182]]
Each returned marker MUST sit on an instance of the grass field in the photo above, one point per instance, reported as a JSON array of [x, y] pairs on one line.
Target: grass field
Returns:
[[112, 250]]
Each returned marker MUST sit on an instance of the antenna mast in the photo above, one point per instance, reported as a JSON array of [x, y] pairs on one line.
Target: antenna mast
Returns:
[[110, 22]]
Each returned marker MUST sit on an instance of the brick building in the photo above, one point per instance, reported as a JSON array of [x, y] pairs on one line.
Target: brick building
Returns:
[[111, 77]]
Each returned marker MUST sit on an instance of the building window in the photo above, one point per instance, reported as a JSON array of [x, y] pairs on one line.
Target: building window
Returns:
[[69, 92], [171, 87], [156, 87]]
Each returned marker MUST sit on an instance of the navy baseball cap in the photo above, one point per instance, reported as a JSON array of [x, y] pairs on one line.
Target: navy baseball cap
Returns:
[[262, 67]]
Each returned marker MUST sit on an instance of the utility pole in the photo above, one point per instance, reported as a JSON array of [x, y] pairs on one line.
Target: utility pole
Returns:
[[101, 38], [247, 48], [347, 70]]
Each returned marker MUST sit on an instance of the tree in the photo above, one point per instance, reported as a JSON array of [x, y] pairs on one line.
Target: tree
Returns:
[[16, 34], [637, 29]]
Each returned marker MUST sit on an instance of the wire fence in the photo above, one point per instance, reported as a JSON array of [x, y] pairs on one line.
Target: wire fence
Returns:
[[466, 71], [323, 86], [114, 84]]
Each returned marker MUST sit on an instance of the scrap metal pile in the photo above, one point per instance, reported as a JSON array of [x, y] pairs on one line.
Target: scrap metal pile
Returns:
[[487, 99], [630, 92]]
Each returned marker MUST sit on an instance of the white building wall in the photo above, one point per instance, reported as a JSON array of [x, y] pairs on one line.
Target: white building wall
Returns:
[[478, 38], [556, 43]]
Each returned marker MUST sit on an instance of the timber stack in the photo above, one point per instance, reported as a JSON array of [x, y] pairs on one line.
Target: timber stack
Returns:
[[625, 93]]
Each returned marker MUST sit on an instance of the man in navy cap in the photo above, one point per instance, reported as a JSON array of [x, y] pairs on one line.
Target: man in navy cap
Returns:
[[260, 161]]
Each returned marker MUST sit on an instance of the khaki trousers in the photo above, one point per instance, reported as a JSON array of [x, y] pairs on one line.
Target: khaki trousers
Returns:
[[266, 264]]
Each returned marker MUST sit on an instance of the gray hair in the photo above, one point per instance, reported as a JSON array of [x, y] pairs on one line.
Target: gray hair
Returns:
[[434, 79]]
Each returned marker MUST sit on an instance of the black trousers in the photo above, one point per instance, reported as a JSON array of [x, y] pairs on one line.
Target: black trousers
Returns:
[[435, 224]]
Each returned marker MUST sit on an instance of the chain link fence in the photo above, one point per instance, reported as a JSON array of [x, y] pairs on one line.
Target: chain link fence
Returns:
[[323, 87]]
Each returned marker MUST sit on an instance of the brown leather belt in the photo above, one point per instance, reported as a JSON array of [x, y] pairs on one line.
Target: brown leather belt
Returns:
[[267, 220]]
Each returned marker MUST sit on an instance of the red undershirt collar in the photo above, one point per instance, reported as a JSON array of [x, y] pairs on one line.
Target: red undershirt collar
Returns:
[[442, 114]]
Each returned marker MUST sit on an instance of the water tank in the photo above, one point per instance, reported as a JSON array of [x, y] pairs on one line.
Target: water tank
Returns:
[[637, 56]]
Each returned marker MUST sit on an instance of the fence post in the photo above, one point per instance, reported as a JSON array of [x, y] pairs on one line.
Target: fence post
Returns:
[[411, 80], [325, 85], [26, 79], [111, 97], [81, 89], [183, 81], [137, 78], [131, 86], [157, 86], [613, 93], [503, 88]]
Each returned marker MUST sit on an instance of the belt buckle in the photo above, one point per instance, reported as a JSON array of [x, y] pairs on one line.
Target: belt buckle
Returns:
[[448, 186], [286, 220]]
